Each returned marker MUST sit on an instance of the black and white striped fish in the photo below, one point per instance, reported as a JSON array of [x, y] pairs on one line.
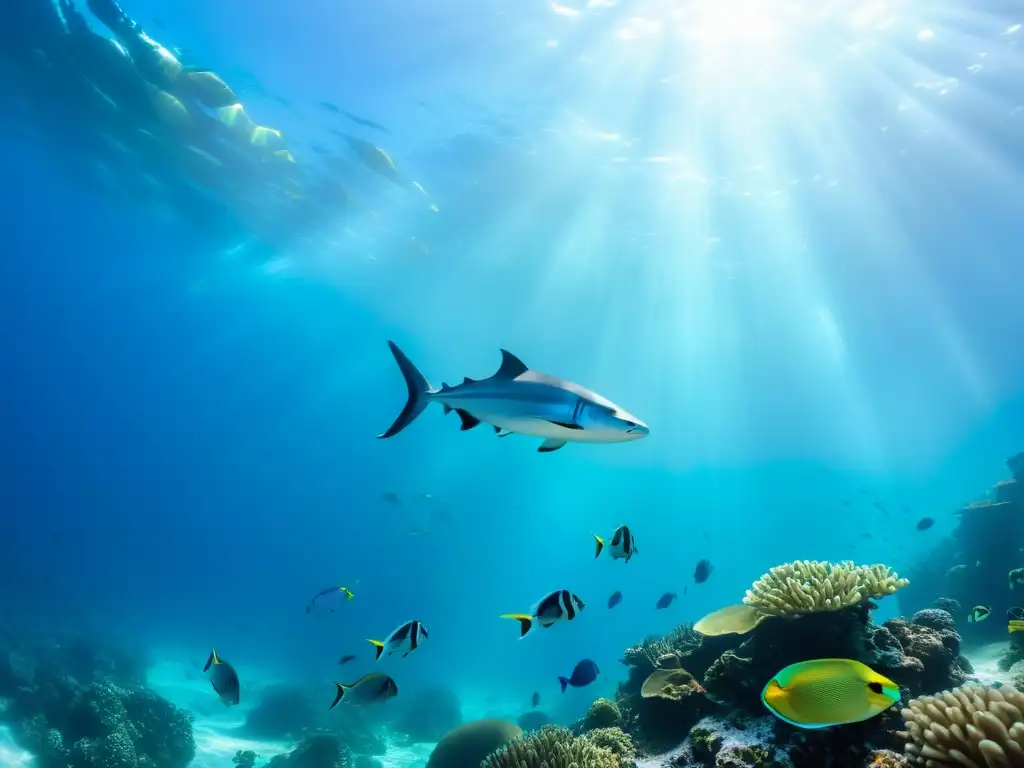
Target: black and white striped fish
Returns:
[[560, 605], [406, 639], [623, 545]]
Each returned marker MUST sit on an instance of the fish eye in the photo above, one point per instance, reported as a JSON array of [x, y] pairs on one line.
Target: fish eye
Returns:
[[875, 687]]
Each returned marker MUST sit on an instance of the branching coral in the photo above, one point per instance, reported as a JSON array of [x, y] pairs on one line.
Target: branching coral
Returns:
[[616, 742], [970, 726], [679, 641], [551, 747], [806, 586]]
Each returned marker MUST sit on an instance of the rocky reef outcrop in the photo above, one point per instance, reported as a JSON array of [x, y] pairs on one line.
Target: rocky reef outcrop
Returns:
[[694, 697], [971, 566], [78, 703]]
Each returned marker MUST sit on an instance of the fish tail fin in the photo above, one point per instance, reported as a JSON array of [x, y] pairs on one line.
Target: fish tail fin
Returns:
[[419, 391], [378, 646], [524, 619], [563, 682], [211, 660], [337, 697], [600, 544]]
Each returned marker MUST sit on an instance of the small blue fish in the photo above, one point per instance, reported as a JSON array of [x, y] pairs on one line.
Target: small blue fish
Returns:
[[615, 599], [330, 598], [665, 600], [584, 674]]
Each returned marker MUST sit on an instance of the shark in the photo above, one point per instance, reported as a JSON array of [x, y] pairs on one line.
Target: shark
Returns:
[[519, 401]]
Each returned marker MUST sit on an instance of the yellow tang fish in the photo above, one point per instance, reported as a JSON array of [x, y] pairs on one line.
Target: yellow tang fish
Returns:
[[826, 692]]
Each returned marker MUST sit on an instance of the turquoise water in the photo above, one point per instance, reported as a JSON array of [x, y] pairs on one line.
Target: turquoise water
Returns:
[[784, 237]]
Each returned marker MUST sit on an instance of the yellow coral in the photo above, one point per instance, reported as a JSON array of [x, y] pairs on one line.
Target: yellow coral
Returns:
[[733, 619], [672, 684], [970, 726], [616, 742], [551, 747], [807, 586]]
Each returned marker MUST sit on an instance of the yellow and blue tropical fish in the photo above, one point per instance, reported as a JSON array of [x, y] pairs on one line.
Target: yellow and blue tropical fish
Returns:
[[1016, 625], [826, 692]]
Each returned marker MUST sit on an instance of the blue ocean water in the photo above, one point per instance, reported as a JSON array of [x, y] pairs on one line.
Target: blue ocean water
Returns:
[[796, 260]]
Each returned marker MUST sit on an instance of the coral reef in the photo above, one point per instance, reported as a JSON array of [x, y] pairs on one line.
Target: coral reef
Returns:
[[806, 586], [930, 649], [427, 715], [551, 747], [471, 743], [971, 566], [78, 703], [602, 714], [615, 741], [970, 726], [317, 750]]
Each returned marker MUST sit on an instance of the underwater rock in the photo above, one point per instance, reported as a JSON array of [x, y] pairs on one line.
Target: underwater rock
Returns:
[[734, 743], [938, 652], [471, 743], [934, 618], [102, 725], [245, 758], [972, 565], [427, 715], [533, 720], [317, 750], [283, 712]]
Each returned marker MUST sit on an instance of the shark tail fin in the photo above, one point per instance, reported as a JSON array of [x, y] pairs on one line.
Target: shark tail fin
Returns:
[[419, 392]]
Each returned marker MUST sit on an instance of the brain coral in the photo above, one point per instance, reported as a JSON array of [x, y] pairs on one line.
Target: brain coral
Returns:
[[469, 745], [969, 726]]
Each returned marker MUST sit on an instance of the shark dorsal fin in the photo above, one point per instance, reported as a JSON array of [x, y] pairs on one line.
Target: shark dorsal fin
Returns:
[[511, 366], [468, 380]]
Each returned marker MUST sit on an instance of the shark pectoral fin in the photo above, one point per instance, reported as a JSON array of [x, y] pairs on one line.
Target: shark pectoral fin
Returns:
[[497, 431], [564, 424], [549, 445], [468, 420]]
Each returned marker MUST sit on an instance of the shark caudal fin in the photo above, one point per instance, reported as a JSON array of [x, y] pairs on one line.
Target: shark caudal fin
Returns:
[[525, 622], [419, 389]]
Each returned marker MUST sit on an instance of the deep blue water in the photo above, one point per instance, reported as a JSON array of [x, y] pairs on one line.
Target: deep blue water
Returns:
[[188, 445]]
